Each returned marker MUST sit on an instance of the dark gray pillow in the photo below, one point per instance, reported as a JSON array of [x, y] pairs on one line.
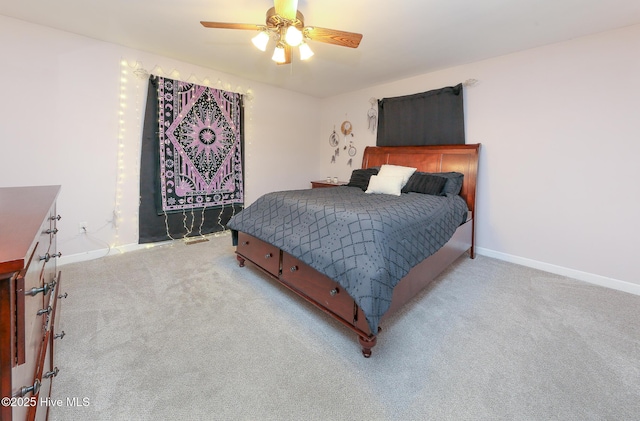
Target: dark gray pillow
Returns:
[[360, 178], [453, 181], [453, 184], [424, 183]]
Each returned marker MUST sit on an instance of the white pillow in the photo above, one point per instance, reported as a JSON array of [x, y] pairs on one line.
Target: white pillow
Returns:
[[396, 171], [385, 185]]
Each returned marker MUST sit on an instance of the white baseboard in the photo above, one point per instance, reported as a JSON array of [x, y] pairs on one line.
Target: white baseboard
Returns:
[[97, 254], [560, 270]]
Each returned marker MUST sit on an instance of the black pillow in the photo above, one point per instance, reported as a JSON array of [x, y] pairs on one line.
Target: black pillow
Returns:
[[425, 183], [360, 178], [453, 184]]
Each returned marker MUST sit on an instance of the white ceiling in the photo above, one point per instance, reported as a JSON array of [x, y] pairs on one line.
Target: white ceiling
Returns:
[[401, 38]]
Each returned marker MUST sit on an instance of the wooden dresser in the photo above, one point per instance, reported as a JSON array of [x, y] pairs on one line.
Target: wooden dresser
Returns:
[[29, 295]]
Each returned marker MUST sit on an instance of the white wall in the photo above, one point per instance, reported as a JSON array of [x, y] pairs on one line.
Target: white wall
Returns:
[[559, 160], [60, 124]]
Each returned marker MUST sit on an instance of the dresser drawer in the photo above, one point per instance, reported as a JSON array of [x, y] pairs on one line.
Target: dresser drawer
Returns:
[[317, 287], [44, 375], [54, 326], [46, 369], [33, 285], [27, 297], [259, 252]]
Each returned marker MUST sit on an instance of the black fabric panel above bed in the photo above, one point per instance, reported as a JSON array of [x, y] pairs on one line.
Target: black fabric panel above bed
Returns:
[[365, 242], [434, 117]]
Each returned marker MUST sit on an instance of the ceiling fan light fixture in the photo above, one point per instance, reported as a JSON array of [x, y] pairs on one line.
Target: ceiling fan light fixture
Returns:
[[278, 54], [261, 40], [305, 51], [293, 36], [285, 24]]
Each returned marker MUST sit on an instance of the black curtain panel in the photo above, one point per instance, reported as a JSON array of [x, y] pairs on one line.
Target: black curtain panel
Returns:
[[191, 167], [429, 118]]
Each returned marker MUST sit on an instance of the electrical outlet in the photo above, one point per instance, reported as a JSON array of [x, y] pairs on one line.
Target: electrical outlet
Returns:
[[83, 227]]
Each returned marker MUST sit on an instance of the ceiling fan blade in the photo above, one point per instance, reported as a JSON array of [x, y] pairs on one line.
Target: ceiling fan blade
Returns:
[[223, 25], [332, 36], [286, 8], [287, 54]]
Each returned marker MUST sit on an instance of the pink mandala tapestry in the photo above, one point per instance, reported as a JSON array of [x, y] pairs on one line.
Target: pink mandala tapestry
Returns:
[[200, 146]]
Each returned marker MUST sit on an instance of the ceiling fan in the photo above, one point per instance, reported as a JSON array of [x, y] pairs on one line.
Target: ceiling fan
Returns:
[[285, 24]]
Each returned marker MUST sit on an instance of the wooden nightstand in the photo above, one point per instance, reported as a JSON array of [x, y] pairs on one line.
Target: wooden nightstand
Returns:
[[325, 183]]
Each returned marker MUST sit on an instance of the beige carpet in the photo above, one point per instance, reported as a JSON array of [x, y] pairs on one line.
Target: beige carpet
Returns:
[[180, 332]]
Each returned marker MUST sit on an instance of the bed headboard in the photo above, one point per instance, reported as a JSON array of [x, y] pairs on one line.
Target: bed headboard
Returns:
[[437, 158]]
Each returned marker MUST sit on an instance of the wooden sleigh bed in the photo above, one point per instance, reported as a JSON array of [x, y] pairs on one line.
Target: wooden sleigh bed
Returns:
[[328, 295]]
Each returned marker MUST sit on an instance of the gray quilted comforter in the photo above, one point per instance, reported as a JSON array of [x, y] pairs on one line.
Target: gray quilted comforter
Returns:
[[365, 242]]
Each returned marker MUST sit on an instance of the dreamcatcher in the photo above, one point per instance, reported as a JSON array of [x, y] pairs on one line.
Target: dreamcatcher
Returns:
[[372, 115], [334, 140], [347, 131]]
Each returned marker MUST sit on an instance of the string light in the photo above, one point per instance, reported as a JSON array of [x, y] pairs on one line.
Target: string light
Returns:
[[117, 210], [132, 98]]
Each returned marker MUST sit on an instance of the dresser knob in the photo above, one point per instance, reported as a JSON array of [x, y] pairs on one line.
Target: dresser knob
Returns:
[[333, 292], [26, 389], [51, 373], [245, 243], [47, 310], [268, 255], [44, 289], [293, 268], [48, 256], [59, 335]]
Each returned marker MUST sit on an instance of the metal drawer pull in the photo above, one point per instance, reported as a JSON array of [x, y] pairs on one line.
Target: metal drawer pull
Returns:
[[52, 231], [293, 268], [65, 295], [245, 243], [44, 289], [48, 256], [59, 335], [26, 389], [268, 255], [51, 373], [333, 292], [47, 310], [57, 218]]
